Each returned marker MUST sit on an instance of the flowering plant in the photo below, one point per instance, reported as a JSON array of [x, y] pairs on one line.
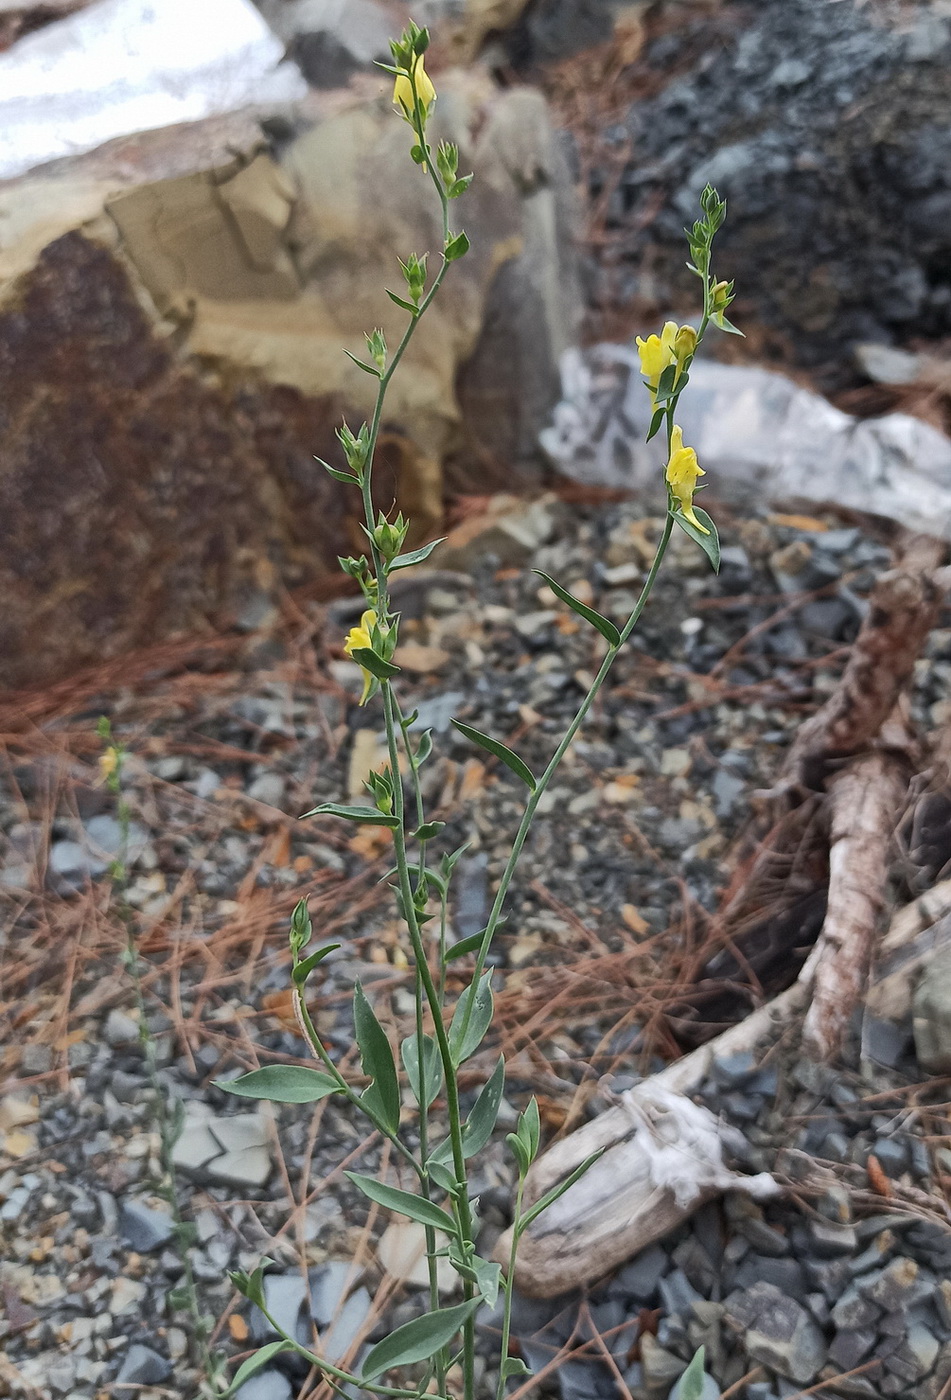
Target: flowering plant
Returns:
[[443, 1338]]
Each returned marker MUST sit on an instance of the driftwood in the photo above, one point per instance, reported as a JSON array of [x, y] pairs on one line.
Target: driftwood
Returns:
[[902, 611], [866, 801], [623, 1203]]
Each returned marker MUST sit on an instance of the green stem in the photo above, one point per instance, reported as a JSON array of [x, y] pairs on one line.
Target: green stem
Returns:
[[510, 1289], [344, 1377], [543, 782], [460, 1199], [310, 1033]]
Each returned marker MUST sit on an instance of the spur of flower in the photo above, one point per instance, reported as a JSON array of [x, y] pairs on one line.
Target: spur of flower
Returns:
[[673, 346], [683, 469], [358, 637]]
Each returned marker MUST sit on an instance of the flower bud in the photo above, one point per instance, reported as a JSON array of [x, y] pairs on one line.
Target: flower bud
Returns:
[[388, 537], [685, 343]]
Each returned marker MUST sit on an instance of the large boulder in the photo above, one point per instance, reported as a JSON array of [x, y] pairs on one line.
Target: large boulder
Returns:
[[173, 308], [827, 127]]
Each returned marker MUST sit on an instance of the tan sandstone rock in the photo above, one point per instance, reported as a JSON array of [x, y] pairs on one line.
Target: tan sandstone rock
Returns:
[[172, 312]]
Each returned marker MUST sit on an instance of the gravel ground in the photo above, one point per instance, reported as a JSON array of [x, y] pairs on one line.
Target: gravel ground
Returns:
[[605, 921]]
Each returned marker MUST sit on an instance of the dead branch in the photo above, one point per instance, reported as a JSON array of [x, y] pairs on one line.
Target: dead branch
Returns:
[[866, 801], [618, 1208], [903, 609]]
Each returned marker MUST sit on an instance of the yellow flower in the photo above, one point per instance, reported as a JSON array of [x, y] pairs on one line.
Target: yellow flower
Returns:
[[403, 91], [673, 346], [657, 352], [359, 637], [108, 763], [683, 470]]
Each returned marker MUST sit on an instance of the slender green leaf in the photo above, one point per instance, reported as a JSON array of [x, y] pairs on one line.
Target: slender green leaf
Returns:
[[529, 1127], [428, 830], [369, 369], [465, 945], [376, 1058], [254, 1363], [415, 556], [425, 746], [607, 628], [417, 1340], [401, 301], [710, 544], [727, 325], [305, 967], [473, 1013], [347, 478], [656, 420], [416, 1207], [448, 863], [520, 1152], [485, 1111], [459, 187], [432, 1064], [498, 750], [368, 659], [550, 1197], [369, 816], [282, 1084], [690, 1386]]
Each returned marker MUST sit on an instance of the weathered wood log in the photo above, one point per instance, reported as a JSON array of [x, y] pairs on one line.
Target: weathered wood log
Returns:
[[631, 1196], [866, 800], [902, 611]]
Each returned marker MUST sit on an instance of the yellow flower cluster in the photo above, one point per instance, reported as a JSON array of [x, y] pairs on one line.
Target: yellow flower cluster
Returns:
[[357, 637], [683, 469]]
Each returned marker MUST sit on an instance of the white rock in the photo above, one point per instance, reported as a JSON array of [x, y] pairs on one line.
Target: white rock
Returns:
[[121, 66]]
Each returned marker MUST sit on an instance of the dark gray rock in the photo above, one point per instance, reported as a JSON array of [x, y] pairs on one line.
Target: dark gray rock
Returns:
[[639, 1278], [778, 1332], [145, 1229], [266, 1385], [849, 1348], [143, 1366], [829, 1239]]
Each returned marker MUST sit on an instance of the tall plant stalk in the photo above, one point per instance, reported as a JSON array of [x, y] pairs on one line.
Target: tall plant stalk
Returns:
[[440, 1043]]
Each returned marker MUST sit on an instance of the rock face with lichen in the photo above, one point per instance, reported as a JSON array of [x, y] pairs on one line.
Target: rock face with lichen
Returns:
[[171, 322]]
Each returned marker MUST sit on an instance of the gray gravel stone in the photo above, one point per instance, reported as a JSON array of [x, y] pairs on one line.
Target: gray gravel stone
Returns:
[[284, 1298], [931, 1015], [779, 1332], [144, 1228], [143, 1366], [641, 1276], [266, 1385]]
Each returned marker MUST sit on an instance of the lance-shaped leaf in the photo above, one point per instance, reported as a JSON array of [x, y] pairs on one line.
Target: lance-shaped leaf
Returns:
[[254, 1363], [691, 1383], [481, 1120], [607, 628], [368, 816], [471, 1019], [417, 1340], [377, 1060], [498, 750], [305, 967], [550, 1197], [416, 1207], [415, 556], [710, 544], [282, 1084], [432, 1064], [368, 659]]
